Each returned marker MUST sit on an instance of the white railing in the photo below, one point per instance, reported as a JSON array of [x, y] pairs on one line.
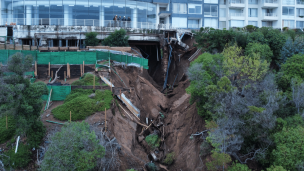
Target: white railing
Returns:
[[236, 2], [270, 14], [300, 2], [237, 15], [252, 1], [79, 22], [193, 26], [271, 1], [211, 14]]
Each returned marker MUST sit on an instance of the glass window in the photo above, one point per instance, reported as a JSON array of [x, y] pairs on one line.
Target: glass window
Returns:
[[267, 24], [252, 12], [56, 9], [108, 9], [194, 9], [141, 11], [179, 22], [81, 10], [288, 23], [43, 9], [211, 1], [236, 23], [289, 11], [210, 10], [300, 12], [236, 12], [194, 23], [288, 2], [210, 22], [300, 24], [252, 1], [222, 24], [254, 23], [130, 7], [223, 2], [179, 8], [222, 12]]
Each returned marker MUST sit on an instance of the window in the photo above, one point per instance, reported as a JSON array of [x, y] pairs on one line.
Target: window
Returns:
[[179, 8], [210, 22], [288, 23], [193, 24], [236, 12], [288, 2], [222, 12], [164, 8], [252, 12], [179, 22], [289, 11], [211, 1], [223, 2], [300, 12], [236, 23], [300, 24], [194, 9], [252, 1], [222, 24], [254, 23], [210, 10], [267, 24]]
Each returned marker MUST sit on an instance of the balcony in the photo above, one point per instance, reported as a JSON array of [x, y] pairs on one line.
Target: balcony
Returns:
[[270, 4], [269, 17], [164, 13], [236, 4], [236, 16], [300, 3], [194, 26]]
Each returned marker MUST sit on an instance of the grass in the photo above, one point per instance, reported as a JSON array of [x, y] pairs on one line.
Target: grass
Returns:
[[152, 140], [86, 80], [81, 106]]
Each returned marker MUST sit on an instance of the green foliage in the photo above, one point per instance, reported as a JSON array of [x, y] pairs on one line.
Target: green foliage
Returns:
[[238, 167], [289, 147], [276, 168], [151, 166], [262, 49], [153, 140], [169, 158], [87, 80], [276, 41], [35, 134], [75, 147], [91, 39], [292, 47], [130, 170], [18, 63], [256, 37], [218, 160], [6, 134], [19, 159], [294, 66], [117, 38], [250, 28], [81, 106], [206, 148]]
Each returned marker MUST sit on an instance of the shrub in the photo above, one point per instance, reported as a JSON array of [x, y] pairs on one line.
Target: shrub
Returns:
[[276, 41], [152, 140], [86, 80], [291, 48], [91, 39], [238, 167], [256, 37], [81, 106], [75, 147], [6, 134], [169, 158], [117, 38], [205, 148], [294, 66], [130, 170], [262, 49], [276, 168], [19, 159], [35, 134], [250, 28], [218, 160], [151, 167]]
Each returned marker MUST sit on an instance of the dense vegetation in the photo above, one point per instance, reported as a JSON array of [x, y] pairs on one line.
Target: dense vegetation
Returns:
[[86, 80], [91, 39], [81, 105], [116, 39], [20, 102], [249, 88]]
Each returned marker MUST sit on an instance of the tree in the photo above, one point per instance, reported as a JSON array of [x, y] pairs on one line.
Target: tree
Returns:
[[91, 39], [297, 88], [294, 66], [219, 160], [75, 147], [262, 49], [117, 38], [256, 37], [291, 48], [238, 167]]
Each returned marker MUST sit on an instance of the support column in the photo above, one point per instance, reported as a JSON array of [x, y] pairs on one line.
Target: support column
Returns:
[[28, 15], [101, 16], [60, 43], [66, 43], [134, 18]]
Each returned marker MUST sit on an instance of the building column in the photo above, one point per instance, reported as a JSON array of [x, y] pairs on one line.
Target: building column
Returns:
[[67, 15], [157, 17], [60, 43], [134, 18], [28, 15], [101, 16], [66, 43]]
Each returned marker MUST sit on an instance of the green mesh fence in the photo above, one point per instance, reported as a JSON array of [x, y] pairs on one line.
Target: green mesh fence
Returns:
[[75, 58], [59, 93]]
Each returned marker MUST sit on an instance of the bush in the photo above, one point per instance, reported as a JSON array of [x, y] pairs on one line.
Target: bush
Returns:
[[35, 134], [262, 49], [256, 37], [218, 160], [75, 147], [6, 134], [151, 167], [130, 170], [238, 167], [153, 140], [205, 148], [169, 158], [86, 80], [117, 38], [276, 168], [91, 39], [81, 106], [19, 159], [291, 48], [294, 66]]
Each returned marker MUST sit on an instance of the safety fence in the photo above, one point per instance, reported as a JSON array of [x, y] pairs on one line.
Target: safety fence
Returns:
[[59, 92], [31, 73], [76, 58]]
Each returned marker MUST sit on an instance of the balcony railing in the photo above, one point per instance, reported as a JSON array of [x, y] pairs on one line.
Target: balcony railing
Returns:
[[193, 25], [236, 2], [300, 2], [271, 1], [78, 22], [211, 14], [252, 1], [237, 15], [270, 14]]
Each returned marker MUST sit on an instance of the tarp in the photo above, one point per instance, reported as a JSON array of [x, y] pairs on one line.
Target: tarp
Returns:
[[59, 92]]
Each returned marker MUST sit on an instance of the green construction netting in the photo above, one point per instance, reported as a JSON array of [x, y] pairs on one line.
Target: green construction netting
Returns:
[[59, 93], [4, 54]]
